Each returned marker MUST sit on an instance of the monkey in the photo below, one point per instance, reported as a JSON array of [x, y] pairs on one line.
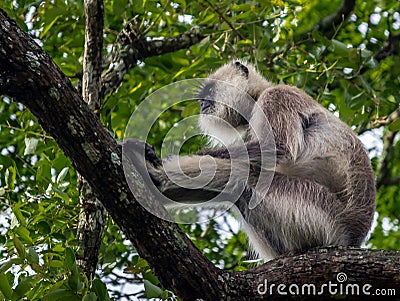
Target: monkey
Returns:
[[320, 189]]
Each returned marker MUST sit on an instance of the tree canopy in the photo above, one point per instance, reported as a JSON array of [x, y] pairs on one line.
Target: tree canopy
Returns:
[[344, 54]]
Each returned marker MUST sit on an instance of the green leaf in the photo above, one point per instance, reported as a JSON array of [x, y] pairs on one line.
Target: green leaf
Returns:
[[317, 35], [48, 27], [43, 227], [340, 48], [5, 286], [395, 125], [365, 53], [70, 260], [43, 172], [152, 291], [56, 264], [20, 248], [30, 145], [150, 277], [24, 234], [24, 286], [73, 279], [204, 42], [119, 6], [372, 63], [18, 214], [208, 19], [100, 289], [61, 194], [8, 264], [10, 175], [61, 295], [91, 297], [32, 256], [183, 61]]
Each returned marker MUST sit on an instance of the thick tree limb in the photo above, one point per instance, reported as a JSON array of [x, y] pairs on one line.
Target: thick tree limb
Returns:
[[93, 216], [131, 46], [318, 268], [29, 75]]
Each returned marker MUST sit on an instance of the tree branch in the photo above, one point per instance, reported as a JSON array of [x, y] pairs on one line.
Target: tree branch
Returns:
[[93, 216], [317, 267], [92, 58], [29, 75], [131, 46], [384, 175], [380, 122], [391, 47]]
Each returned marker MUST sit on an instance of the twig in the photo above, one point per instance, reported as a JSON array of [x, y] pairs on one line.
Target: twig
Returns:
[[379, 122], [225, 19]]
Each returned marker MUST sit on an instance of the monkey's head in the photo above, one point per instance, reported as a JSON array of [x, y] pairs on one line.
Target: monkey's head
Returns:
[[226, 100]]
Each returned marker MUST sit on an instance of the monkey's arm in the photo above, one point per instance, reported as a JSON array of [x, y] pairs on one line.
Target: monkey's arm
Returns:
[[191, 178]]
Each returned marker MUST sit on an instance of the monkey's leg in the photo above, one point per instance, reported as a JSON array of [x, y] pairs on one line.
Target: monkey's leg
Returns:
[[295, 215]]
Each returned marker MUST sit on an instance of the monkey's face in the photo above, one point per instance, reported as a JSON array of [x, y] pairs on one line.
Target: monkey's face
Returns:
[[224, 101]]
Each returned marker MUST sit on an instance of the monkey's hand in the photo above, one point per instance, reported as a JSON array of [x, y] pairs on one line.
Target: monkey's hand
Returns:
[[144, 158]]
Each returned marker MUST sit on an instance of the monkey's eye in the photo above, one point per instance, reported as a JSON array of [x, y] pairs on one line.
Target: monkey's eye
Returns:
[[243, 69], [205, 104]]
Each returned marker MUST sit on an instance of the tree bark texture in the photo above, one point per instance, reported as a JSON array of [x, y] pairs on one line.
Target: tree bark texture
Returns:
[[92, 58], [93, 216], [28, 75], [131, 46]]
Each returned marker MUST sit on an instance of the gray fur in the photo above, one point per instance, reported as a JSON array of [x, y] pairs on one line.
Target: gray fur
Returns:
[[322, 192]]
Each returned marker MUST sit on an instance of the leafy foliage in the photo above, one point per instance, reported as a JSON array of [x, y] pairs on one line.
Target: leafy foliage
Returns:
[[38, 186]]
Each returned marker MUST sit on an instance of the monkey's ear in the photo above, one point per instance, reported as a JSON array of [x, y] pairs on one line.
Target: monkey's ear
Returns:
[[242, 68]]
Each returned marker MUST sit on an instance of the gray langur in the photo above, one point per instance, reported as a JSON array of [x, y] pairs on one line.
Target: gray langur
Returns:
[[322, 189]]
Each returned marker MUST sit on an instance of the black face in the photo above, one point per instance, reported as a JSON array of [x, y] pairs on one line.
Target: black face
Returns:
[[206, 96]]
